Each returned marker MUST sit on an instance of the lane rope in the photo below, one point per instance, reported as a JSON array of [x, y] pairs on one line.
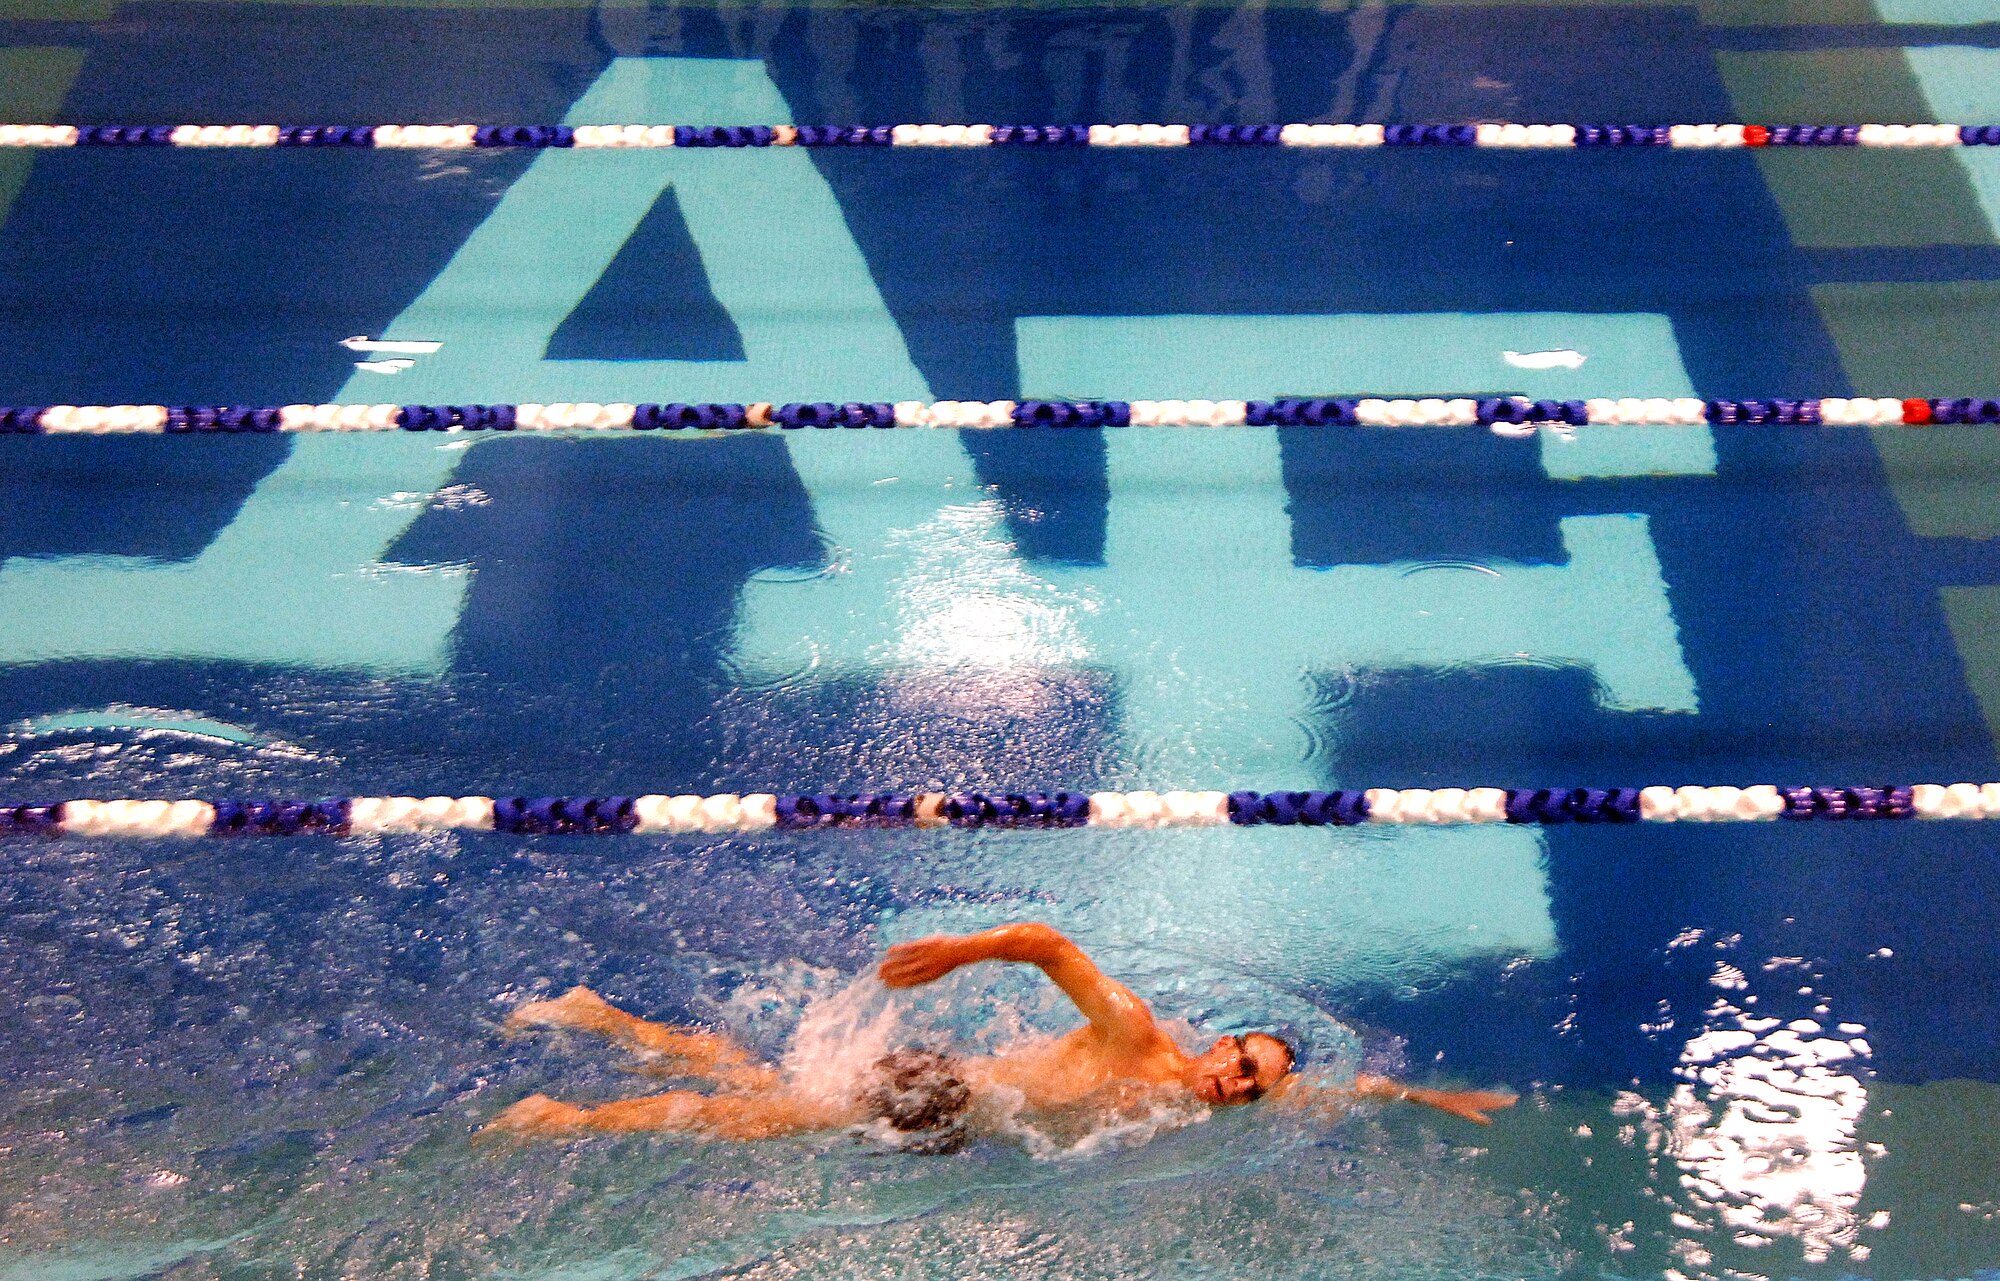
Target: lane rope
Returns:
[[1514, 136], [759, 811], [1509, 415]]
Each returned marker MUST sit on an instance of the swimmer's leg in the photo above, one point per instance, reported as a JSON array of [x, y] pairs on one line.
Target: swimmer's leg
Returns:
[[707, 1054], [762, 1114]]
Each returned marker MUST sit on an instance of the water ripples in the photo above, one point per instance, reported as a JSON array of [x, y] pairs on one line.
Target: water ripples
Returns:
[[346, 997], [1461, 566], [128, 750]]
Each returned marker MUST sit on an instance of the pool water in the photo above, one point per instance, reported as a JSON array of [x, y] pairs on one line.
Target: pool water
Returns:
[[1743, 1050]]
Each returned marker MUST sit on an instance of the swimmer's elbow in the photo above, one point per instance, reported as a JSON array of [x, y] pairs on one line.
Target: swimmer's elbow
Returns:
[[1048, 942], [1028, 942]]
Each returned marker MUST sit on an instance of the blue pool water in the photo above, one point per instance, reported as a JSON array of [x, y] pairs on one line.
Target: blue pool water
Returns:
[[1744, 1050]]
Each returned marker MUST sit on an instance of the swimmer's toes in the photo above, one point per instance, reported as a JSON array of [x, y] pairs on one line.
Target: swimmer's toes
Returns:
[[537, 1114], [526, 1018]]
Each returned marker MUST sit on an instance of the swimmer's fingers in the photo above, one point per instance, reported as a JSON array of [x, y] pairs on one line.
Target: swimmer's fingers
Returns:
[[919, 961], [1470, 1105], [1489, 1101]]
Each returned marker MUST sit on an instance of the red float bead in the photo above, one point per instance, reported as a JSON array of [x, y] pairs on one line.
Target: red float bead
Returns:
[[1756, 136], [1916, 411]]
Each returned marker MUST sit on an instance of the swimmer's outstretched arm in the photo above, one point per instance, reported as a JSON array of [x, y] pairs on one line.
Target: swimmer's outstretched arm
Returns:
[[764, 1114], [1111, 1007], [1468, 1105]]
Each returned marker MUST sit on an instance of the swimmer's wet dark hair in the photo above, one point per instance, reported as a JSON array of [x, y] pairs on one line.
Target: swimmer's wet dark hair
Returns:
[[1291, 1055], [919, 1093]]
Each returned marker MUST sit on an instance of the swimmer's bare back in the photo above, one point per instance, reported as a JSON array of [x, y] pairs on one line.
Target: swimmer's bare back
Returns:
[[1120, 1046]]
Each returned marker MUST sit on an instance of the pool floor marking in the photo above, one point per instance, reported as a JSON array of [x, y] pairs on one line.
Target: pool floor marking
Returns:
[[1181, 355], [33, 82], [906, 551], [295, 578], [1974, 616], [788, 272], [1835, 197], [1955, 78], [909, 553], [1938, 12]]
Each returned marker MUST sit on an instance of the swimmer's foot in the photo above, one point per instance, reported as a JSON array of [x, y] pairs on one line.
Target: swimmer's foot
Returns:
[[578, 1009], [537, 1114], [669, 1051]]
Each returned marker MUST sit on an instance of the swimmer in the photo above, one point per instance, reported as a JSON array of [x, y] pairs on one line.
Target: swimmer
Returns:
[[1119, 1055]]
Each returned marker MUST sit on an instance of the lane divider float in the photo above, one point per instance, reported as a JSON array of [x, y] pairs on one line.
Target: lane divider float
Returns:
[[759, 811], [1493, 135], [1505, 414]]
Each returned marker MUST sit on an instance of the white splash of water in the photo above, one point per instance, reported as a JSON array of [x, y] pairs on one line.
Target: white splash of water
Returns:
[[1077, 1135], [839, 1039]]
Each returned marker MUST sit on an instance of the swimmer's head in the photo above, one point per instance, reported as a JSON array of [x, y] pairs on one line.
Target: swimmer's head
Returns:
[[1239, 1069]]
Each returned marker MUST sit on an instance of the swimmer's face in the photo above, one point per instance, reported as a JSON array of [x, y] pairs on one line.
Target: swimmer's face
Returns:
[[1239, 1069]]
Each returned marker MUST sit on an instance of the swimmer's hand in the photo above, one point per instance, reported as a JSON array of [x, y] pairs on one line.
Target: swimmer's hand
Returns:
[[920, 961], [1471, 1105], [1468, 1105]]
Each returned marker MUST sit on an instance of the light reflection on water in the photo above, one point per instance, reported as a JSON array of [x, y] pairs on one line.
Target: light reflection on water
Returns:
[[1757, 1152], [967, 601]]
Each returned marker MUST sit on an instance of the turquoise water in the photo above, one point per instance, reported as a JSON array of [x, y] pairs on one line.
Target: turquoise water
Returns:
[[1743, 1051]]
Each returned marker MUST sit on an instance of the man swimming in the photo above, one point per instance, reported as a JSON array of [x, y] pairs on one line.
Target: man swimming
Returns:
[[1119, 1055]]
